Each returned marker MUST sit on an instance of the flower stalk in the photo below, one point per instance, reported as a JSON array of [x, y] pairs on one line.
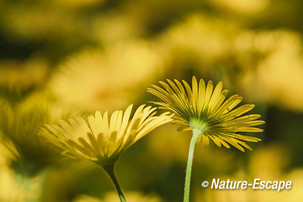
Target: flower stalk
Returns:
[[196, 134], [110, 170]]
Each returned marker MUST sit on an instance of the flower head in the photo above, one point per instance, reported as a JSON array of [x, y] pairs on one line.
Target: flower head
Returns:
[[102, 139], [203, 108], [27, 153]]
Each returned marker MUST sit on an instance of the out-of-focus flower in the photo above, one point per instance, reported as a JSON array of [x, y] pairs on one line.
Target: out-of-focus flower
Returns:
[[78, 3], [114, 28], [102, 139], [134, 197], [111, 197], [246, 7], [14, 187], [85, 198], [284, 62], [204, 109], [19, 126], [41, 21], [269, 162], [19, 79], [106, 80], [281, 57], [29, 73], [9, 153], [197, 42], [10, 189]]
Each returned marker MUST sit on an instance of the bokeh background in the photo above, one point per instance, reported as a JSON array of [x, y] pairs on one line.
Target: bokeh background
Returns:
[[63, 58]]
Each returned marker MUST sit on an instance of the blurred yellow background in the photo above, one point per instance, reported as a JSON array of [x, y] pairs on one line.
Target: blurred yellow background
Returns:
[[63, 58]]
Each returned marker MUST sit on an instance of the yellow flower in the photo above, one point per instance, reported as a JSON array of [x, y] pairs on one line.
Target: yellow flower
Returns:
[[102, 139], [28, 154], [203, 108]]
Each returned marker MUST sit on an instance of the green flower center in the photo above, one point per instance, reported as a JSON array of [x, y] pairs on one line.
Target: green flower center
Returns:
[[198, 124]]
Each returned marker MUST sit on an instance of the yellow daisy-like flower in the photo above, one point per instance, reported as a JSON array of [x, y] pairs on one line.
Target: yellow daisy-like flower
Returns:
[[102, 139], [203, 108]]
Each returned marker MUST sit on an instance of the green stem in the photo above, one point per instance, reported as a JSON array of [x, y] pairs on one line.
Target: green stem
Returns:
[[110, 170], [196, 134]]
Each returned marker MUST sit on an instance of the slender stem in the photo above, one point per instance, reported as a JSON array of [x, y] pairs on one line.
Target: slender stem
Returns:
[[196, 134], [110, 170]]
